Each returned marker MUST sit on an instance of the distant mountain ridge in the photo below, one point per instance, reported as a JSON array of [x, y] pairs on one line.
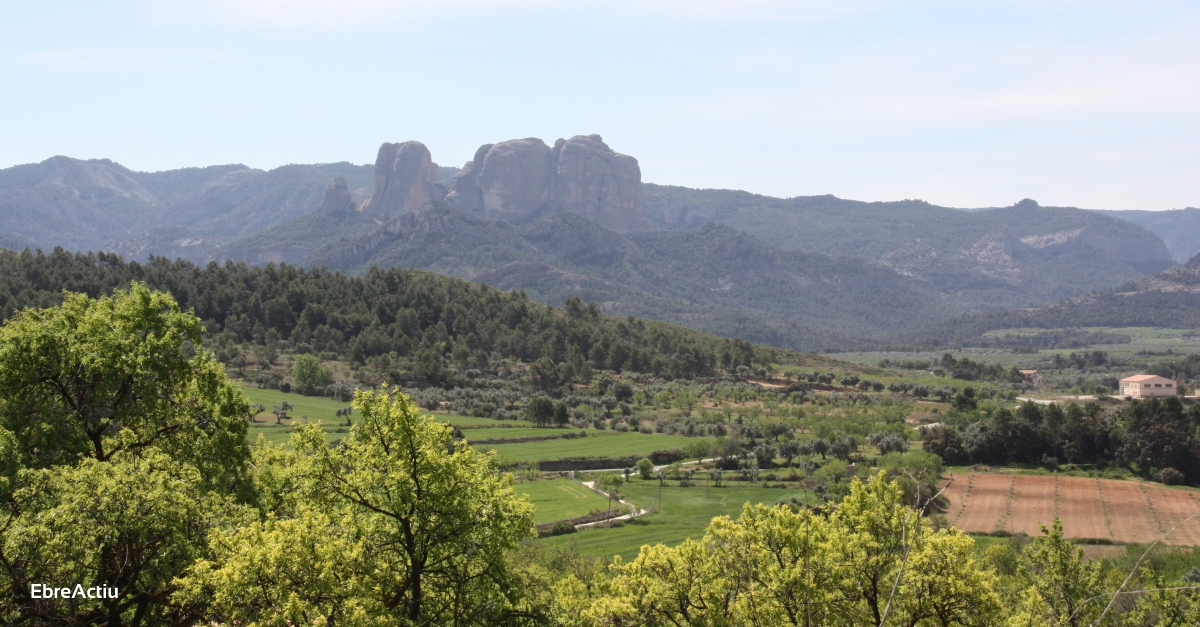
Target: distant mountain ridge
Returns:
[[1179, 228], [97, 204], [714, 278], [1009, 256], [575, 219], [1168, 299]]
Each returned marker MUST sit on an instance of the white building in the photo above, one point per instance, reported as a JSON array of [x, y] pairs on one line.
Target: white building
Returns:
[[1147, 385]]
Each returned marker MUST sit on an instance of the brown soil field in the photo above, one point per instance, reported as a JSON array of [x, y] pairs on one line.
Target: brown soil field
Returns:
[[1104, 509]]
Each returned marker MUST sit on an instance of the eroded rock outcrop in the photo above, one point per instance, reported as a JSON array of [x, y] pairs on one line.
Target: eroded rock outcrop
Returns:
[[337, 198], [405, 179], [522, 179]]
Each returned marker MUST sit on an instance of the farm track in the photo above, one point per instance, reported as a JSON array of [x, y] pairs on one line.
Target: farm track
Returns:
[[1119, 511]]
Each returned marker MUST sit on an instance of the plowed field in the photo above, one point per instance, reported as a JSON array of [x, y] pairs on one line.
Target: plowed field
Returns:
[[1120, 511]]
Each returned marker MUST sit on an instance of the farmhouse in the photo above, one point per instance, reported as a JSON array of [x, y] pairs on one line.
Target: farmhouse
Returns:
[[1033, 377], [1147, 385]]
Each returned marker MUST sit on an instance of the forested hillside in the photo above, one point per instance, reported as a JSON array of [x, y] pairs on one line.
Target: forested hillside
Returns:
[[1178, 228], [980, 259], [714, 279], [1168, 299], [428, 323]]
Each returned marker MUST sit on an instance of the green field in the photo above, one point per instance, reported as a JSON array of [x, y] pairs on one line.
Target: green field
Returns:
[[599, 444], [315, 407], [685, 513], [1180, 341], [558, 499], [495, 433], [323, 411]]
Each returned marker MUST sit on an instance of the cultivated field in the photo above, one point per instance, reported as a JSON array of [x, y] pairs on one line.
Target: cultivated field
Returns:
[[597, 444], [684, 513], [1101, 509], [324, 410], [558, 499]]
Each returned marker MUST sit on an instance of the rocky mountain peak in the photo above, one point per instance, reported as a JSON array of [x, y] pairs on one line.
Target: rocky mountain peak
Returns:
[[405, 179], [337, 198], [521, 179]]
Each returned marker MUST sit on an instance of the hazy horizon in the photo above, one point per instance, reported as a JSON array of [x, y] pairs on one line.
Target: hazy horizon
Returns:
[[1091, 106]]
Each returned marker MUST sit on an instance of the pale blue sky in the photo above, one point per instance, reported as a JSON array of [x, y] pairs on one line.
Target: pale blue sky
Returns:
[[1089, 103]]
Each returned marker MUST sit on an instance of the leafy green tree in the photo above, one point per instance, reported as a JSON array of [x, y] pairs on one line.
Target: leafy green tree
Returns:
[[121, 447], [292, 571], [562, 416], [133, 523], [645, 468], [432, 517], [699, 450], [540, 411], [1058, 578], [281, 411], [98, 377], [309, 375], [546, 374]]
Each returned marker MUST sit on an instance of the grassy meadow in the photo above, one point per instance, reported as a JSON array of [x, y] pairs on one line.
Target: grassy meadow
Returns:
[[559, 499], [685, 513]]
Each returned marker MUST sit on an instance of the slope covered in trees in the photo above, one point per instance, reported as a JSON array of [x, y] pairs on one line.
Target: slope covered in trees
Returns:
[[714, 279], [1168, 299], [419, 317], [1008, 256]]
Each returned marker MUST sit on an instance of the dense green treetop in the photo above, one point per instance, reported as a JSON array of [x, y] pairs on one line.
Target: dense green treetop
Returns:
[[97, 377], [413, 314]]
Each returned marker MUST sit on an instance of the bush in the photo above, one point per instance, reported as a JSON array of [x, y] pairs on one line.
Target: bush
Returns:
[[645, 468], [1169, 476], [309, 375], [560, 528]]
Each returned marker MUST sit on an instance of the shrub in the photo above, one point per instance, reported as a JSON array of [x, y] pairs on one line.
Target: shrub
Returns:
[[309, 375], [1169, 476], [645, 468]]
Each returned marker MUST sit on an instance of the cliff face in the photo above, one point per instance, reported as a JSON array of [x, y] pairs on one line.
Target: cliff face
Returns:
[[405, 179], [522, 179], [337, 198]]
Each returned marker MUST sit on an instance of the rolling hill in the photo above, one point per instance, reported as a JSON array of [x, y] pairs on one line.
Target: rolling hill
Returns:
[[1002, 257], [1167, 299], [805, 273], [715, 278]]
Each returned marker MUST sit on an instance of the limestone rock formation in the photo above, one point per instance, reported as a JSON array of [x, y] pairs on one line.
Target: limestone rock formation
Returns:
[[337, 198], [405, 179], [603, 185], [522, 179]]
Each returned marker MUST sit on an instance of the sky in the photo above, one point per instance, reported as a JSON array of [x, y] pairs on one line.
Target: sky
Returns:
[[1093, 104]]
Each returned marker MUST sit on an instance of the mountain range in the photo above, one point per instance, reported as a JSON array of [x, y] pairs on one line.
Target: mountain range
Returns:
[[1168, 299], [574, 218]]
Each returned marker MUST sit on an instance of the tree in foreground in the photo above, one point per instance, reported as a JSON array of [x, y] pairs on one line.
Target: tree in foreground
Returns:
[[121, 448], [873, 561], [404, 525]]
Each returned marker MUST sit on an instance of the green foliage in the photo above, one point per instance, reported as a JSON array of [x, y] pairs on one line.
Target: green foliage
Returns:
[[309, 375], [97, 377], [1156, 437], [645, 468], [415, 318], [121, 448], [869, 562], [540, 411]]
